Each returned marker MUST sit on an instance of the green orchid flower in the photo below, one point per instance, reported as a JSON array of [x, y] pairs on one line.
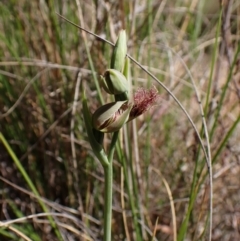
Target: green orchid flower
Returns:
[[114, 82], [112, 116]]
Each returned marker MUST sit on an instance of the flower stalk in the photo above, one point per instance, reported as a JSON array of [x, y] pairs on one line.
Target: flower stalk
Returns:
[[111, 117]]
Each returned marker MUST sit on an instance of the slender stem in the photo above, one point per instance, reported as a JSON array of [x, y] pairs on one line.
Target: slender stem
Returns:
[[113, 145], [108, 178]]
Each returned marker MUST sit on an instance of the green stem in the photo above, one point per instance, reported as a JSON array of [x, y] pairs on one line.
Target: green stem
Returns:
[[108, 191], [108, 177], [113, 145]]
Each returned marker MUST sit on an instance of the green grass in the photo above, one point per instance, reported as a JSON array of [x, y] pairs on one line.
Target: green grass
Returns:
[[47, 164]]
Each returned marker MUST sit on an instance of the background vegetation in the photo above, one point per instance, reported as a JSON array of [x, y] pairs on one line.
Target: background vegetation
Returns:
[[47, 165]]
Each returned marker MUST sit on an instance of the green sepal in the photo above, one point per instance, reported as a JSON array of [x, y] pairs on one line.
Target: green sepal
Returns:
[[104, 85], [119, 52]]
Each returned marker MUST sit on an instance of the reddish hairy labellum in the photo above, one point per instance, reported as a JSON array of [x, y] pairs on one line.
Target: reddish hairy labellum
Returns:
[[143, 100]]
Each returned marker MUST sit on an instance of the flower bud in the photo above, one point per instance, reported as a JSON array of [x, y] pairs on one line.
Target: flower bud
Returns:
[[112, 116], [119, 52], [114, 82]]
